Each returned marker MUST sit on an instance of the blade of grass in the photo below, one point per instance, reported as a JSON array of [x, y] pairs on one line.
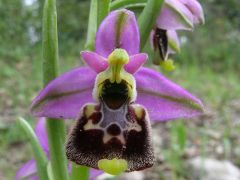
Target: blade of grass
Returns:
[[39, 156], [123, 3], [92, 25], [103, 10], [148, 18]]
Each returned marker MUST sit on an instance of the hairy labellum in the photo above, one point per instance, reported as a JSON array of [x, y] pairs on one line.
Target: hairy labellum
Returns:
[[104, 133]]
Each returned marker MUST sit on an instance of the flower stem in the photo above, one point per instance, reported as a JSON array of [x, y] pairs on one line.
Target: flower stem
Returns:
[[92, 25], [39, 156], [56, 139], [148, 18], [79, 172], [103, 10], [55, 128], [82, 172], [117, 4]]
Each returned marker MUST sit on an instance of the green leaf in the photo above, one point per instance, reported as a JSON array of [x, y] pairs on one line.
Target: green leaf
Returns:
[[103, 10], [39, 155], [117, 4], [92, 25], [148, 18]]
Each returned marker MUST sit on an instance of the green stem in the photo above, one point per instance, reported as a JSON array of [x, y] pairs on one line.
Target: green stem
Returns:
[[92, 25], [39, 156], [79, 172], [55, 128], [95, 17], [103, 10], [148, 18], [124, 3], [56, 139]]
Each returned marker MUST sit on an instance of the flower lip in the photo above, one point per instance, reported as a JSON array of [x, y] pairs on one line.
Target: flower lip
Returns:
[[114, 94]]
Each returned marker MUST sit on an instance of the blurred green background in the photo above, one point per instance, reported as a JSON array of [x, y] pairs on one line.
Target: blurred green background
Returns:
[[208, 66]]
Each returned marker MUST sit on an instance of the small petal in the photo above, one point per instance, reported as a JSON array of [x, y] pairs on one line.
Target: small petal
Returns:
[[41, 133], [27, 171], [118, 30], [64, 96], [195, 7], [164, 99], [136, 61], [175, 16], [94, 61]]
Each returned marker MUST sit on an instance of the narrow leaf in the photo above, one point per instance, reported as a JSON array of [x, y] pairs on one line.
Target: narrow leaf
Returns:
[[117, 4], [103, 10], [41, 159], [148, 18], [92, 25]]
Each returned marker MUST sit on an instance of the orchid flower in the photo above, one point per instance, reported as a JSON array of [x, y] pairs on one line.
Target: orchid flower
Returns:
[[29, 170], [114, 99], [174, 15]]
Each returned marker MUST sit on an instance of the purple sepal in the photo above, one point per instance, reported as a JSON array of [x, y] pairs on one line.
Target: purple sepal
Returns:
[[27, 171], [175, 15], [196, 9], [118, 30], [64, 96], [41, 133], [164, 99]]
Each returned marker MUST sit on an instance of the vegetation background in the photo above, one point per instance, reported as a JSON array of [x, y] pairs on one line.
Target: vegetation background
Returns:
[[208, 66]]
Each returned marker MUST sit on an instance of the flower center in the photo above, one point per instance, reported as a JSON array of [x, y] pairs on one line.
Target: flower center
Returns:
[[116, 60], [115, 86], [114, 94]]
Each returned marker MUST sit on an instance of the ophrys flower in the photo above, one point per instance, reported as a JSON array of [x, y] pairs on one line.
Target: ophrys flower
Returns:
[[114, 98]]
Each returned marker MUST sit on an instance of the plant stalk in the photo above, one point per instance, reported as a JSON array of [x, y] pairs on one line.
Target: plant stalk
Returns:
[[55, 127], [79, 172]]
